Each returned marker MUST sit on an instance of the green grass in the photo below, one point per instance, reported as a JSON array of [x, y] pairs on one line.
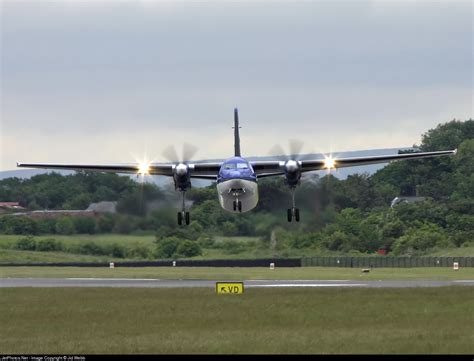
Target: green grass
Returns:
[[252, 250], [7, 241], [453, 252], [276, 321], [11, 255], [238, 273]]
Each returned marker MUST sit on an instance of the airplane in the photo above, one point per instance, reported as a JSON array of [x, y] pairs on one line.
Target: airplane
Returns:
[[237, 178]]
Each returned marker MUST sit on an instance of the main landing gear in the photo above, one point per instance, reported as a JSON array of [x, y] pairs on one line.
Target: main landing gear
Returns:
[[183, 215], [293, 212]]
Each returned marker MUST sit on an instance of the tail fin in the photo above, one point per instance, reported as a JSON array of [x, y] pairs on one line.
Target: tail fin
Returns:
[[236, 133]]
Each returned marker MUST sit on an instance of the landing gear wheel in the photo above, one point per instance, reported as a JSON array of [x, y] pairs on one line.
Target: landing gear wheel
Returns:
[[235, 206], [290, 215], [180, 218], [239, 206], [297, 214], [187, 218]]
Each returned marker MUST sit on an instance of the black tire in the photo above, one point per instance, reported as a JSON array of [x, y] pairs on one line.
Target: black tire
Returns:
[[239, 206], [297, 214], [180, 218], [187, 218], [290, 215], [235, 206]]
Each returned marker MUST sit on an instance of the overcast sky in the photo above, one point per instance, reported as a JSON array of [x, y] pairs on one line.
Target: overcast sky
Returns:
[[105, 82]]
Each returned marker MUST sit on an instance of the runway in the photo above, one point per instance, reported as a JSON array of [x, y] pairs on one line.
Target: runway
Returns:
[[166, 283]]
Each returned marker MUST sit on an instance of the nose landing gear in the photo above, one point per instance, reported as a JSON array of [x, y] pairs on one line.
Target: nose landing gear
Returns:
[[237, 205]]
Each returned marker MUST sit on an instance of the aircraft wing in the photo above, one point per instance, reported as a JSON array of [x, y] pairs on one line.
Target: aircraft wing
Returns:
[[199, 170], [273, 168]]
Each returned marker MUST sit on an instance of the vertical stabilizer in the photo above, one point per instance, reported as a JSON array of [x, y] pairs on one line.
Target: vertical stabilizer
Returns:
[[236, 133]]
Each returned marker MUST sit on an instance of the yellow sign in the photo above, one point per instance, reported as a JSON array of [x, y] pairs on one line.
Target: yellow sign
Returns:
[[229, 287]]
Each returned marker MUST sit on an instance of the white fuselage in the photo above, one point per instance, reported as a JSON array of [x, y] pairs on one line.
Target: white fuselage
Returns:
[[242, 190]]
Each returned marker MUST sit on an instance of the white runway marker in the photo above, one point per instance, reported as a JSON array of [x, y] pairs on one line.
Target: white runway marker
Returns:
[[113, 279], [309, 285]]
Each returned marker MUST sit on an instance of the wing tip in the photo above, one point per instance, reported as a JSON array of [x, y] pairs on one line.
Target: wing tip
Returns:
[[455, 151]]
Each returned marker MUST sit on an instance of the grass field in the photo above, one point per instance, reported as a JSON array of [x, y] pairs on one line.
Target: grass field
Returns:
[[276, 321], [6, 240], [239, 273], [12, 255], [252, 249]]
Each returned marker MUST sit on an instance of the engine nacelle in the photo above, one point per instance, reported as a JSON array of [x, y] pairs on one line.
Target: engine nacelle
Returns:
[[292, 172], [182, 177]]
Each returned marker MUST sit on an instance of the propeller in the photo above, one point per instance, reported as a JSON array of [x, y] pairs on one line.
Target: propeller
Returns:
[[188, 152], [295, 147], [181, 169], [292, 165]]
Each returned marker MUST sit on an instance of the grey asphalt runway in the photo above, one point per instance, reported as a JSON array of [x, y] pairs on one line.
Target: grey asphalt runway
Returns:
[[158, 283]]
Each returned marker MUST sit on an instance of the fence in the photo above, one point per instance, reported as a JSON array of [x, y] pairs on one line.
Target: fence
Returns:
[[386, 261], [265, 262]]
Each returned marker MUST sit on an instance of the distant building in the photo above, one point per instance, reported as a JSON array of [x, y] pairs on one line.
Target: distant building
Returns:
[[55, 214], [10, 206], [103, 207], [94, 210], [403, 200]]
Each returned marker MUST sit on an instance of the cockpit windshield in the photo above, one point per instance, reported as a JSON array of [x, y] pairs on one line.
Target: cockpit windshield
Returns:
[[241, 165]]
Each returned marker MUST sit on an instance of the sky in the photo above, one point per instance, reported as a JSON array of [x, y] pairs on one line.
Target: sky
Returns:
[[113, 81]]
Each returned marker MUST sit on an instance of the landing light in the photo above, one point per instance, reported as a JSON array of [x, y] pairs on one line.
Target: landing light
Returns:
[[329, 162], [144, 168]]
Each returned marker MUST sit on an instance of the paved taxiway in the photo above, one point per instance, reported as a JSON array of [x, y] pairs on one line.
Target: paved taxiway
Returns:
[[160, 283]]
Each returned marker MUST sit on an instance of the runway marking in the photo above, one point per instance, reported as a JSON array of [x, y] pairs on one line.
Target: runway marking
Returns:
[[463, 281], [267, 280], [113, 279], [310, 285]]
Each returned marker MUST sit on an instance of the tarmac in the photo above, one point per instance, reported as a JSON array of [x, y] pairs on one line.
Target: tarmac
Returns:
[[186, 283]]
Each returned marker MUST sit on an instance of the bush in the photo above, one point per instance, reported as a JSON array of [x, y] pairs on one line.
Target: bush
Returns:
[[124, 225], [84, 225], [116, 250], [229, 229], [303, 240], [206, 241], [46, 226], [178, 232], [18, 225], [65, 226], [49, 245], [92, 249], [26, 244], [420, 239], [105, 224], [140, 252], [196, 228], [188, 248], [166, 247], [232, 247]]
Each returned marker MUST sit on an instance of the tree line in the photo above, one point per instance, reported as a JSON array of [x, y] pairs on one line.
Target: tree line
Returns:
[[350, 215]]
